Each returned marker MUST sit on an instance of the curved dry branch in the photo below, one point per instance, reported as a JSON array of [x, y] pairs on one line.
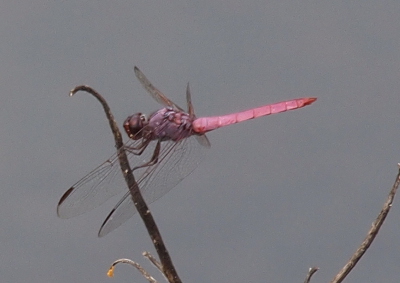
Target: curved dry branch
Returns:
[[376, 225], [141, 206], [145, 274], [310, 273]]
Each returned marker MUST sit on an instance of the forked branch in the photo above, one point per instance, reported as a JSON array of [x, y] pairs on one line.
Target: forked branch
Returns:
[[145, 274]]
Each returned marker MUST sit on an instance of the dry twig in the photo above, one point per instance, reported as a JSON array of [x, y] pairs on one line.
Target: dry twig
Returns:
[[145, 274], [153, 260], [310, 273], [376, 225]]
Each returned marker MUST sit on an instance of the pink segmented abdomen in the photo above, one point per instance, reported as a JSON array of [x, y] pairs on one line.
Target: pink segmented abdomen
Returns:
[[206, 124]]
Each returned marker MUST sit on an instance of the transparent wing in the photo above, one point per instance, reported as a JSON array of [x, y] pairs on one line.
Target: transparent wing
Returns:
[[176, 161], [203, 140], [154, 92], [100, 184], [107, 180], [164, 100]]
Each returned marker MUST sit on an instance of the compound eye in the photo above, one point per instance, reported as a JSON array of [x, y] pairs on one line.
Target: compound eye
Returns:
[[134, 124]]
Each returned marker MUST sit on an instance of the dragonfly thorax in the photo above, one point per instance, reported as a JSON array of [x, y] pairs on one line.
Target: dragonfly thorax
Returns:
[[169, 124], [164, 124]]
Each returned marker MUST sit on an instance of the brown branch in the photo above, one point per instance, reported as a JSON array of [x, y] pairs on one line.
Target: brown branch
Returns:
[[376, 225], [141, 206]]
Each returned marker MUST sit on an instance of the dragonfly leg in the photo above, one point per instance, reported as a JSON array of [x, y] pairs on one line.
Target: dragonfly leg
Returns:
[[154, 158], [139, 149]]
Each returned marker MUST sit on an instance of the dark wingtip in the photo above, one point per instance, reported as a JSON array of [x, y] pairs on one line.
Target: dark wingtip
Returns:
[[65, 195], [100, 234], [62, 199]]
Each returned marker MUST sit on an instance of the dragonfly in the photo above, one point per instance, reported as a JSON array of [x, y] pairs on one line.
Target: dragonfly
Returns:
[[165, 147]]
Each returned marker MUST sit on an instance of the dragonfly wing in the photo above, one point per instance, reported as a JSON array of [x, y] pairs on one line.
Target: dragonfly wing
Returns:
[[95, 188], [123, 211], [203, 140], [189, 103], [154, 92], [176, 161]]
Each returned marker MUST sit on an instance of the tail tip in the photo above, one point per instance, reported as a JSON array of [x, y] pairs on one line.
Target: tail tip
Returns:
[[309, 100]]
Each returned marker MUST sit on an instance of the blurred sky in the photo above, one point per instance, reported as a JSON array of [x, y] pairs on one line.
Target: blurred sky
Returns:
[[273, 197]]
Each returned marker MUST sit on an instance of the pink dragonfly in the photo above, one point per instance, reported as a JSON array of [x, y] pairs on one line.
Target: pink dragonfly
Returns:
[[167, 146]]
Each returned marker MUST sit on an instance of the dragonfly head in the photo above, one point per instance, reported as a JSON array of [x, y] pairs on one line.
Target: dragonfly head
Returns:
[[134, 125]]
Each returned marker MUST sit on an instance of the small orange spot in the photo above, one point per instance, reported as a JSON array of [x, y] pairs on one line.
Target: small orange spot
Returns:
[[110, 272]]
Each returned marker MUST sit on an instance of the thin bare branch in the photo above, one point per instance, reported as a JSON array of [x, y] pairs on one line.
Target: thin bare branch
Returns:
[[144, 212], [153, 260], [145, 274], [310, 273], [376, 225]]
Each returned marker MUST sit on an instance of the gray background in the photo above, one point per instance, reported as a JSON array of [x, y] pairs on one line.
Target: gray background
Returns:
[[273, 196]]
